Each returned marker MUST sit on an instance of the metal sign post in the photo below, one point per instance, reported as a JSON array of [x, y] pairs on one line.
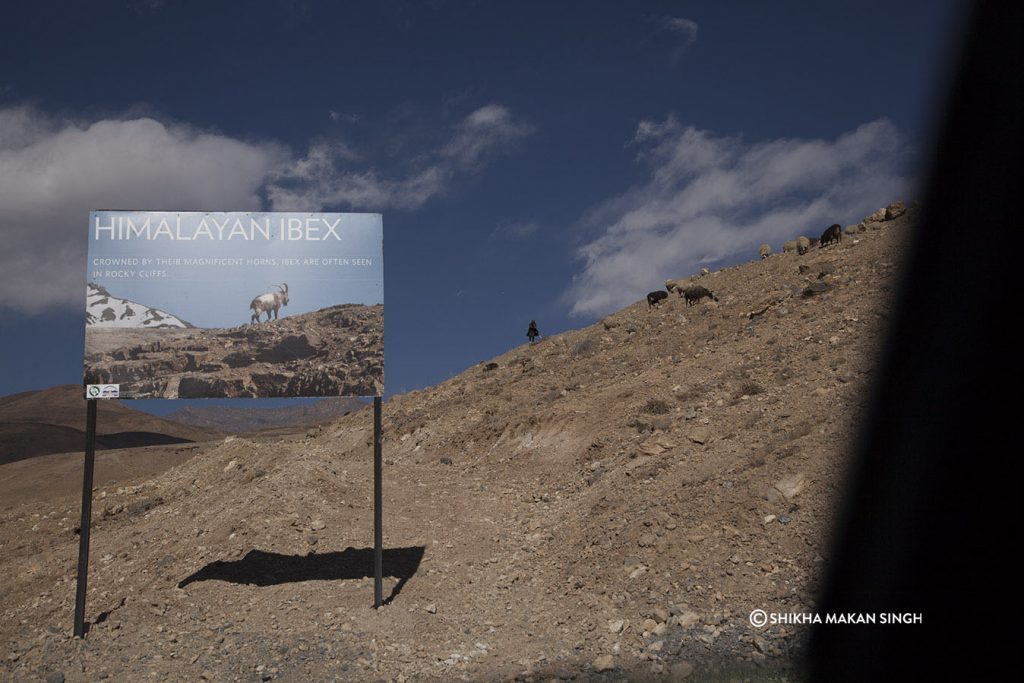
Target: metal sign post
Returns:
[[378, 532], [83, 536]]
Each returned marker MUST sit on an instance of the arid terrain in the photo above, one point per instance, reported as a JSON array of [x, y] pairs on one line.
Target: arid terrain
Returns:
[[606, 504], [336, 351]]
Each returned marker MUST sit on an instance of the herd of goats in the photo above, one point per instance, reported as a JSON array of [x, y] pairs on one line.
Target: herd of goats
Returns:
[[271, 302], [694, 293]]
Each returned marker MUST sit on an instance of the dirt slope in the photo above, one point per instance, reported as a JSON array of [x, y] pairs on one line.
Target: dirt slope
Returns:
[[608, 503]]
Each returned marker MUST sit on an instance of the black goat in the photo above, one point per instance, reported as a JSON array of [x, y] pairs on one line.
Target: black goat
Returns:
[[833, 234], [695, 293], [656, 297]]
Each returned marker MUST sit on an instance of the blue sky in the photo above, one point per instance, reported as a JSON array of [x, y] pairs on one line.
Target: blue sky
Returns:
[[532, 160]]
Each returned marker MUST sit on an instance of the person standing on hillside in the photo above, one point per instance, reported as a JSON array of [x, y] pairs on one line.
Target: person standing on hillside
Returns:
[[532, 333]]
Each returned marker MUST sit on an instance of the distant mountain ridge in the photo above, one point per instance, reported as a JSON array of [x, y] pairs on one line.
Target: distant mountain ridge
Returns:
[[244, 420], [103, 309], [53, 421]]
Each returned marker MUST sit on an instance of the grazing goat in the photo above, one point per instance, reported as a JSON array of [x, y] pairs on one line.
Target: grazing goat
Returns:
[[656, 297], [802, 245], [269, 302], [532, 333], [696, 293], [677, 285], [765, 251], [833, 234]]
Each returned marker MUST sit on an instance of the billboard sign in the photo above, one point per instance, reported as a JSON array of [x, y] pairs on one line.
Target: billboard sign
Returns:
[[234, 305]]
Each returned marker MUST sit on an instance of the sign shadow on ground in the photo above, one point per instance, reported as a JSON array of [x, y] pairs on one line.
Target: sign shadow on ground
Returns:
[[259, 568]]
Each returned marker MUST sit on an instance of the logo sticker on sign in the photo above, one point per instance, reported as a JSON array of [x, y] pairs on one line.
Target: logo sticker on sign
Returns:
[[103, 391]]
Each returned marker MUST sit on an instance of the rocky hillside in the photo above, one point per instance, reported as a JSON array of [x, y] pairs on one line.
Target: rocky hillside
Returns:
[[606, 504], [336, 351]]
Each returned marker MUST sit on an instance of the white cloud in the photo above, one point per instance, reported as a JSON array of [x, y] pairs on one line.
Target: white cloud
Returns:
[[687, 28], [714, 199], [54, 171], [319, 180], [349, 118], [682, 34]]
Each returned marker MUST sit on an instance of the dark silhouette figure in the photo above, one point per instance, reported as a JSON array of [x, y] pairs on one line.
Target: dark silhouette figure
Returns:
[[532, 333]]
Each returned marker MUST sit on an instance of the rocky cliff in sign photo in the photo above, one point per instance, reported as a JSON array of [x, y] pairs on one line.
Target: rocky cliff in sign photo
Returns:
[[335, 351]]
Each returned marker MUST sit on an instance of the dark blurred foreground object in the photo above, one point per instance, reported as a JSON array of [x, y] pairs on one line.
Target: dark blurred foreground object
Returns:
[[929, 522], [532, 333]]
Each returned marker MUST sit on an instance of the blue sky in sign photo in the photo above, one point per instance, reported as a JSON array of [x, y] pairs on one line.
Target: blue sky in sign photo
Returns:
[[207, 268], [531, 160]]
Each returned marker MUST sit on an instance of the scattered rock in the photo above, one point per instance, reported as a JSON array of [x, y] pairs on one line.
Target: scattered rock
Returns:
[[663, 423], [699, 435], [687, 619], [895, 210], [647, 541], [681, 670], [601, 664], [657, 445], [791, 485]]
